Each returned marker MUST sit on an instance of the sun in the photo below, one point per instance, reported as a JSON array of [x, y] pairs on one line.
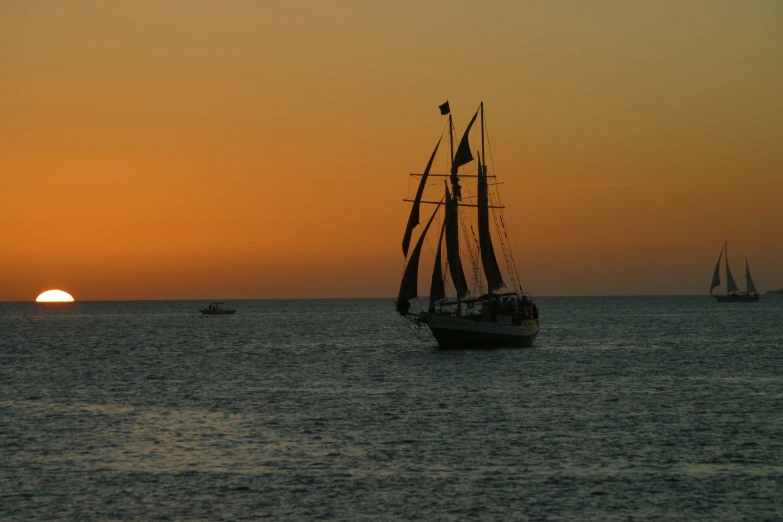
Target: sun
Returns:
[[54, 296]]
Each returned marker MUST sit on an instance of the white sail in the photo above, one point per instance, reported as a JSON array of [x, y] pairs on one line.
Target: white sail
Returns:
[[748, 281], [730, 284]]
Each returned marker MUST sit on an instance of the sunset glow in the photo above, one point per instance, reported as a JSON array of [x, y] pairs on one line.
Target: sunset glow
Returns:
[[204, 150], [54, 296]]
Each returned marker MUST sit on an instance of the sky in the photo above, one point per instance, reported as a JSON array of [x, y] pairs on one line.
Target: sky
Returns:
[[244, 149]]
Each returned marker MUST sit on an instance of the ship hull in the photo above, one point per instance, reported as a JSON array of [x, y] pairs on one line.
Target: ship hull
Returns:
[[747, 298], [458, 332]]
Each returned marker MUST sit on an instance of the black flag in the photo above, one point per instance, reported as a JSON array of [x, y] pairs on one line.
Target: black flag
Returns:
[[444, 109]]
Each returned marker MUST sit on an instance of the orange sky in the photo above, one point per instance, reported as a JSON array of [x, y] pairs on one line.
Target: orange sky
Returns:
[[238, 149]]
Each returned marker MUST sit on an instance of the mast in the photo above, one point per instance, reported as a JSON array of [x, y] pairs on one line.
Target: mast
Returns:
[[452, 245], [460, 157], [451, 140], [488, 260], [728, 274], [483, 159], [751, 288]]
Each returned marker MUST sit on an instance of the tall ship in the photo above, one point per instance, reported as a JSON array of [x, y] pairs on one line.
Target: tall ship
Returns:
[[488, 308], [733, 294]]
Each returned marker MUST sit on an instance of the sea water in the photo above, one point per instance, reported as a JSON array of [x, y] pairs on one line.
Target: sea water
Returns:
[[626, 408]]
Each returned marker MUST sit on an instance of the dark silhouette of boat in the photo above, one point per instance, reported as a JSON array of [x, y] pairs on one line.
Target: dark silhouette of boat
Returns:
[[216, 308], [493, 311], [733, 295]]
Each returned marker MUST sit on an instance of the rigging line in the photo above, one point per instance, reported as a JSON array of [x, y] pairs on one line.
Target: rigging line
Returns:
[[474, 219], [409, 324], [442, 130], [492, 195], [405, 261], [478, 284], [503, 246], [446, 286], [518, 280], [512, 239], [468, 245], [429, 245], [507, 255], [499, 171], [427, 239]]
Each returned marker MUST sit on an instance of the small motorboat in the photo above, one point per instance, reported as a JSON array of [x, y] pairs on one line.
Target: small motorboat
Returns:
[[216, 308]]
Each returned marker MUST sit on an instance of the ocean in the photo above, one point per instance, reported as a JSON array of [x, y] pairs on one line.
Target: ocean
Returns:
[[627, 408]]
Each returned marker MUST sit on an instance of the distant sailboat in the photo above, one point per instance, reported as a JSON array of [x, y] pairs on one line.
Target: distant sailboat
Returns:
[[493, 311], [733, 295]]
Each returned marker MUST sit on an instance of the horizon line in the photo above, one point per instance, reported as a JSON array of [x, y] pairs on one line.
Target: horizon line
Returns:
[[344, 298]]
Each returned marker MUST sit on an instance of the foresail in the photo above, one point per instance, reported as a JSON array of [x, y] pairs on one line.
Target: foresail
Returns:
[[748, 281], [437, 290], [488, 259], [452, 246], [409, 283], [716, 274], [413, 219]]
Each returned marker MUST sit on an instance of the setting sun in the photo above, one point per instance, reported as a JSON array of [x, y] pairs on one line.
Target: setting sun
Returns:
[[54, 296]]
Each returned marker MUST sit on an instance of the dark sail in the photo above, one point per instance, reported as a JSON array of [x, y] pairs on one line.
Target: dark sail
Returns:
[[463, 154], [452, 246], [462, 157], [413, 219], [488, 260], [437, 290], [748, 281], [716, 275], [409, 284], [731, 286]]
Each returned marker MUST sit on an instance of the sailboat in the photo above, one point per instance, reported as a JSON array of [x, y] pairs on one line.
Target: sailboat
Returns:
[[733, 295], [492, 311]]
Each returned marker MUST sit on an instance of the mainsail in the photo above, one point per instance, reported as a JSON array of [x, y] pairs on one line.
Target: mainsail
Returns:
[[413, 220], [409, 283], [748, 281], [452, 245], [731, 286], [716, 274], [488, 260]]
